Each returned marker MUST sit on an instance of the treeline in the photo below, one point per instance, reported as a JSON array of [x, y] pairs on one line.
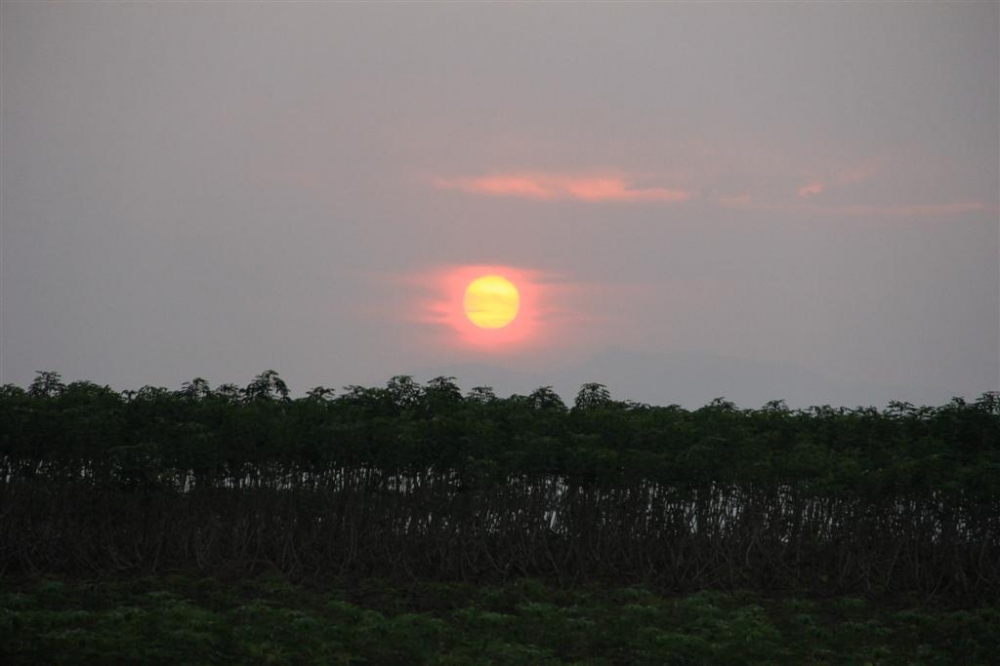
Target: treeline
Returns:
[[423, 482]]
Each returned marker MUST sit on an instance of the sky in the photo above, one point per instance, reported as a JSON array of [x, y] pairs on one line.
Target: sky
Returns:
[[754, 201]]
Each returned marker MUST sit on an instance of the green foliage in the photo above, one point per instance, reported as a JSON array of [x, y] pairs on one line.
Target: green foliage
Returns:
[[268, 621], [592, 396], [420, 482], [954, 448]]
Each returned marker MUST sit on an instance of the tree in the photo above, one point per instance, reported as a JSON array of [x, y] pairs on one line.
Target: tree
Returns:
[[403, 391], [545, 398], [592, 395], [267, 386], [442, 393], [321, 394], [47, 385], [482, 394], [196, 389], [229, 392]]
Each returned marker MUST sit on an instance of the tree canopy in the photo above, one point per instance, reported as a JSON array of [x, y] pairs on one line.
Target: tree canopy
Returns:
[[908, 495]]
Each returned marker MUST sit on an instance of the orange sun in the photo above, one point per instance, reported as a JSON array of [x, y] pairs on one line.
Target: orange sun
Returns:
[[491, 301]]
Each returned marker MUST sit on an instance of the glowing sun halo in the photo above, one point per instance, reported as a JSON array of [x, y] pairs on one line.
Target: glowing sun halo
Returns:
[[491, 301]]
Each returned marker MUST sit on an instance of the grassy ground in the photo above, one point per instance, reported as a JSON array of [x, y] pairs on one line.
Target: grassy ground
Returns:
[[181, 620]]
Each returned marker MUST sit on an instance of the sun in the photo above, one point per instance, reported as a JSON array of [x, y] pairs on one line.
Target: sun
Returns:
[[491, 301]]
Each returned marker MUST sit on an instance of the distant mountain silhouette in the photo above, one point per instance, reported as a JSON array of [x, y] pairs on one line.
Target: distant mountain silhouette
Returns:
[[690, 379]]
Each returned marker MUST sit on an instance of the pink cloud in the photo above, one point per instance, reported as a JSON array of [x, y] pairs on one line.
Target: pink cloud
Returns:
[[552, 187], [812, 189]]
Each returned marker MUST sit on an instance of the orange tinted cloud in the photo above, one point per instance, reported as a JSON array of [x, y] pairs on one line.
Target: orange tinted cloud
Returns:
[[812, 189], [548, 187]]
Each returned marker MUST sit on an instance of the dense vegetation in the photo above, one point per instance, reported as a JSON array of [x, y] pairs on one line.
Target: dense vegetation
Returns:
[[417, 483], [178, 621]]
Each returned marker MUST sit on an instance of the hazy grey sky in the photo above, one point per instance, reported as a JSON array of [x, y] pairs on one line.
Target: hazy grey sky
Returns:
[[757, 201]]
